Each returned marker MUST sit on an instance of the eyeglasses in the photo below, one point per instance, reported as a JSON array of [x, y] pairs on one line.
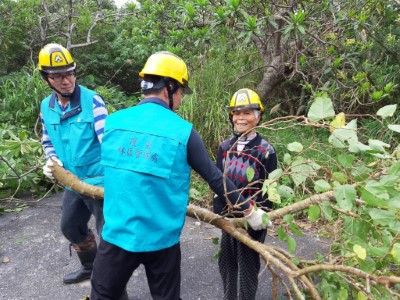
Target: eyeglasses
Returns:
[[60, 77]]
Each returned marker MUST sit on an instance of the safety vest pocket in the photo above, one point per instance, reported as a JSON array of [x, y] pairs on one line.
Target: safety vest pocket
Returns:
[[139, 152]]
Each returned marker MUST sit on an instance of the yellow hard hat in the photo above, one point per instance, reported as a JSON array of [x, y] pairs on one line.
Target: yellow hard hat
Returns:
[[54, 58], [245, 99], [167, 64]]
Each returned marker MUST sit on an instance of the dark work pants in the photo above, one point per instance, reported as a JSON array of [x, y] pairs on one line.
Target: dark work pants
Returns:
[[114, 266], [236, 259], [76, 212]]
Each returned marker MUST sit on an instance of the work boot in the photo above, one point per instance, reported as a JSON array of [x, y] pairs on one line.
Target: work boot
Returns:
[[86, 252]]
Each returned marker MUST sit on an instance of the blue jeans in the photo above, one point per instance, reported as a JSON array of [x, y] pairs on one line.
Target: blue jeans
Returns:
[[76, 212]]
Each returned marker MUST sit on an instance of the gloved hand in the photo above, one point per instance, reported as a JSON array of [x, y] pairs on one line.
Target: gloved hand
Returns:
[[49, 163], [255, 219]]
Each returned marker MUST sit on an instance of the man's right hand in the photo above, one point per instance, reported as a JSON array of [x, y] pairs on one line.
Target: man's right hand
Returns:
[[50, 163]]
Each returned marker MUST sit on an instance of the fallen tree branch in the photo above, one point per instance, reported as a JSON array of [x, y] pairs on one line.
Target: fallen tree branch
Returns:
[[66, 178], [234, 227]]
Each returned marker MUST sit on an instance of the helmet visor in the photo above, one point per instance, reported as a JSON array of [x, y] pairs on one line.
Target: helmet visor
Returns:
[[55, 70], [244, 107]]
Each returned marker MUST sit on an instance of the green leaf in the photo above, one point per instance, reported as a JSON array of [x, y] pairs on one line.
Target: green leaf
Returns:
[[360, 251], [343, 294], [360, 172], [371, 194], [321, 186], [282, 236], [294, 229], [387, 111], [347, 135], [314, 212], [295, 147], [301, 29], [265, 220], [378, 145], [285, 191], [326, 210], [296, 261], [288, 218], [361, 296], [215, 241], [368, 265], [394, 128], [382, 217], [287, 158], [302, 169], [357, 147], [250, 174], [394, 169], [321, 108], [195, 194], [345, 196], [273, 195], [216, 255], [275, 174], [339, 176], [396, 252], [291, 242], [245, 224], [346, 160]]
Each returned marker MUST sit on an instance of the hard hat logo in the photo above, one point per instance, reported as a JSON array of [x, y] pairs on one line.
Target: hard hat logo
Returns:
[[58, 59], [242, 99]]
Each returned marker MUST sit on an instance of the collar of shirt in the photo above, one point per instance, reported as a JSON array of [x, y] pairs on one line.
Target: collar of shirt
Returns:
[[153, 100]]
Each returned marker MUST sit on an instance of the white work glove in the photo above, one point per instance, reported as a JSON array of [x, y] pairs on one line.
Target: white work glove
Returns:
[[49, 163], [255, 219]]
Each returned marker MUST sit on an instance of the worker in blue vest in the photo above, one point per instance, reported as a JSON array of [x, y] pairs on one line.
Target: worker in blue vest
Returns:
[[148, 152], [73, 126]]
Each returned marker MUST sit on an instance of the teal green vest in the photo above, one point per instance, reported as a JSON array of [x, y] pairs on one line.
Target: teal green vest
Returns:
[[147, 177], [73, 135]]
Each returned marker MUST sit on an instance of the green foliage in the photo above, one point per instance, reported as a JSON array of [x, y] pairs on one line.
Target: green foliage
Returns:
[[214, 83], [20, 96], [20, 158]]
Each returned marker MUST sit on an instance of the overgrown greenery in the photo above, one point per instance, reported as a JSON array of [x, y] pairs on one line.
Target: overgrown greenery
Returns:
[[317, 58]]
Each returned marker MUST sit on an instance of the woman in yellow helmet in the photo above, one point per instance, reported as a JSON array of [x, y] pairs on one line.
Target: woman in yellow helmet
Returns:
[[247, 150]]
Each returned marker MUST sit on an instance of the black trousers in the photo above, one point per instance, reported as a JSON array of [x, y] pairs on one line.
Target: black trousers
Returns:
[[114, 266], [239, 263]]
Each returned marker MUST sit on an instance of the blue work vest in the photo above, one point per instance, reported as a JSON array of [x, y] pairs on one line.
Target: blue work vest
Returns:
[[147, 177], [73, 136]]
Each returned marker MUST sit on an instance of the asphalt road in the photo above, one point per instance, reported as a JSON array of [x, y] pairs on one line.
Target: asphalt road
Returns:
[[34, 256]]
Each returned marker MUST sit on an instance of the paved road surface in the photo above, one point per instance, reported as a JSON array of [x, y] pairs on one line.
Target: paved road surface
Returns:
[[34, 256]]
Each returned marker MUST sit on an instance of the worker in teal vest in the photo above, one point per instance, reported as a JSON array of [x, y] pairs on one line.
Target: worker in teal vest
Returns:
[[148, 152], [73, 126]]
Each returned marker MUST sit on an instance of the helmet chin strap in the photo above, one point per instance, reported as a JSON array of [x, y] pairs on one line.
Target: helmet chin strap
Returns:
[[64, 95], [170, 91], [234, 131]]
